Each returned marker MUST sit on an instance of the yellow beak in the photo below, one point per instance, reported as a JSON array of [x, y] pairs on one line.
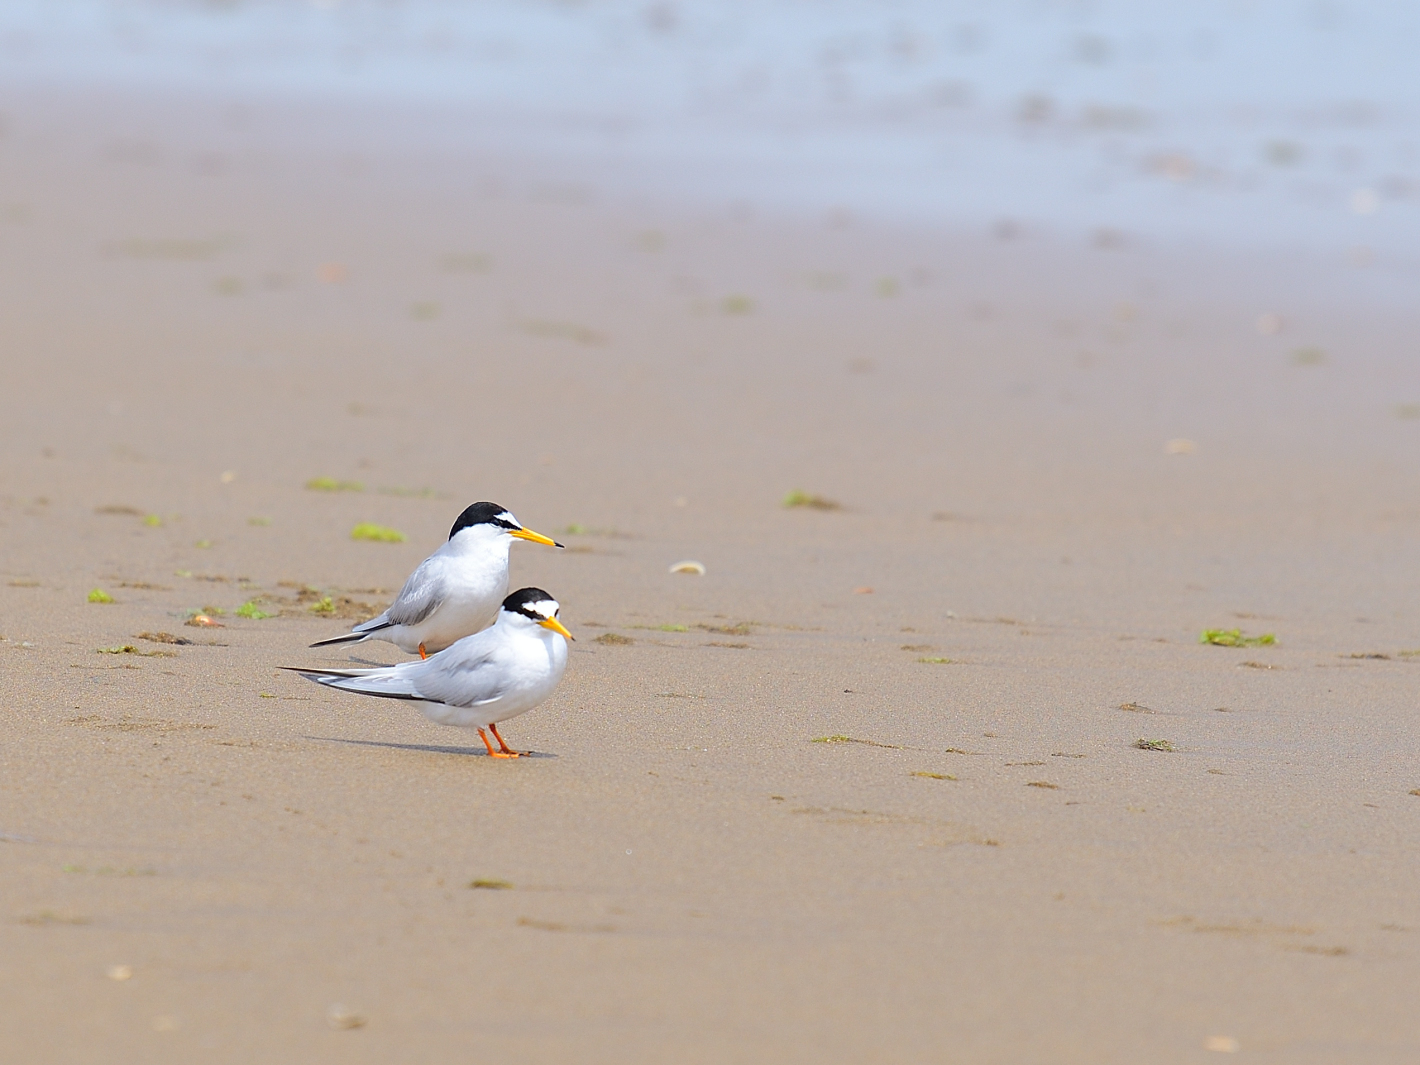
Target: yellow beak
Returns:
[[537, 538], [557, 626]]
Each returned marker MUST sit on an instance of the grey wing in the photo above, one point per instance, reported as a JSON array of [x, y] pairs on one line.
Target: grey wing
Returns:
[[469, 680], [421, 595]]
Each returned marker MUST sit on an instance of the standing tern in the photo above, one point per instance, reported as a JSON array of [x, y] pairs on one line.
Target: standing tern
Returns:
[[479, 680], [455, 591]]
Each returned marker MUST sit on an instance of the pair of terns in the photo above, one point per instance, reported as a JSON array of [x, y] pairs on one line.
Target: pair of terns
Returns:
[[470, 674]]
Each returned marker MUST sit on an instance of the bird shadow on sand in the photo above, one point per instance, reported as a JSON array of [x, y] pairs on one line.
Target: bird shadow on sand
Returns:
[[467, 752]]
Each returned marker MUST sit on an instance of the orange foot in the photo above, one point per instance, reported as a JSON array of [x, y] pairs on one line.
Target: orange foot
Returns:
[[422, 652], [506, 752], [503, 747]]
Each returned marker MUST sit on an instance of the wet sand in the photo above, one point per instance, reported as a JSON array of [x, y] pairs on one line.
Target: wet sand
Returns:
[[868, 790]]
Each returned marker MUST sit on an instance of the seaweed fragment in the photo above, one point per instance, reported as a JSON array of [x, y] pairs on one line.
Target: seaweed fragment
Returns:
[[129, 649], [330, 484], [1235, 638], [1154, 745], [840, 738], [740, 628], [800, 498], [367, 530], [162, 637]]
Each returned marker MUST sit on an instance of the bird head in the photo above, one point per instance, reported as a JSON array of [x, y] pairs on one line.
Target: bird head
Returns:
[[533, 606], [491, 520]]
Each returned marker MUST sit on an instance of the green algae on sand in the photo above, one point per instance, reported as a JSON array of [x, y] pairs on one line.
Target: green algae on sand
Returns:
[[490, 883], [330, 484], [367, 530], [800, 498], [1235, 638], [1154, 745]]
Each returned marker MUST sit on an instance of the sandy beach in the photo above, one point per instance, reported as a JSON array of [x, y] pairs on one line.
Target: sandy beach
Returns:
[[872, 789]]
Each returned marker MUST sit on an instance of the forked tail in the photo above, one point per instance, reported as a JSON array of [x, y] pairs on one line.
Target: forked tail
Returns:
[[351, 637]]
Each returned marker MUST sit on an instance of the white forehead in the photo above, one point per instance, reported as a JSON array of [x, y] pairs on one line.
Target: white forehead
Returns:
[[507, 516], [546, 607]]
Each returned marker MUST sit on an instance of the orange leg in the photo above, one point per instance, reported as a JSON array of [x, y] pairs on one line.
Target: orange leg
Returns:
[[505, 753], [422, 652]]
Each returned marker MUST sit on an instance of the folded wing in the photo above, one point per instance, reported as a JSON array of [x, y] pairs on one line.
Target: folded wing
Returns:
[[420, 596], [468, 679]]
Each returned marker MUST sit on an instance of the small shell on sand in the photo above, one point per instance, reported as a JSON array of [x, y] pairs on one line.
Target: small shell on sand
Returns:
[[688, 566], [202, 621]]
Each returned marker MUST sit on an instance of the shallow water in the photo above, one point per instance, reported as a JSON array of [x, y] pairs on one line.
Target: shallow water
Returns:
[[1259, 123]]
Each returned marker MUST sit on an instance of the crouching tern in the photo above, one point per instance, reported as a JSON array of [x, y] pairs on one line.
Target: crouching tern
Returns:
[[455, 591], [479, 680]]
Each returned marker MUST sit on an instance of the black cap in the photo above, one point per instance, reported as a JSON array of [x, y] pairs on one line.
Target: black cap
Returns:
[[521, 601], [484, 514]]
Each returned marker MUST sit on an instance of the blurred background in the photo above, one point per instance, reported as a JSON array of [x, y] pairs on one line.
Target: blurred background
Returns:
[[1254, 122]]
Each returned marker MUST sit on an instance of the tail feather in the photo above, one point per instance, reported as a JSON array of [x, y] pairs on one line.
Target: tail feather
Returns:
[[362, 631], [354, 636], [387, 682]]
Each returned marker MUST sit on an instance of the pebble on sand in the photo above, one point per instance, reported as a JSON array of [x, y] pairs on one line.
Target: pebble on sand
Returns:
[[688, 566], [340, 1016]]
